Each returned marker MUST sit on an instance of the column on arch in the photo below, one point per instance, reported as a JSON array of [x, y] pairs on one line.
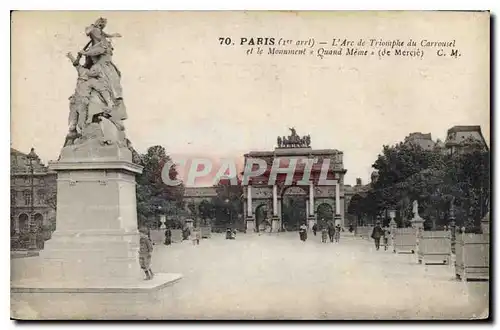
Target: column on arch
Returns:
[[249, 201], [337, 198], [275, 200], [311, 199]]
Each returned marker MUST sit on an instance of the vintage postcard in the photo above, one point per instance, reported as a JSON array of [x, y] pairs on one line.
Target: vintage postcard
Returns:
[[250, 165]]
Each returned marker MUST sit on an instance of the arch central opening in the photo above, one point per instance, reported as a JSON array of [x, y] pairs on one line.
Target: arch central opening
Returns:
[[293, 208]]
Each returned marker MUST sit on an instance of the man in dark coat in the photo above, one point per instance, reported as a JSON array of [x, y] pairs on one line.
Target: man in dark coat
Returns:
[[168, 236], [331, 231], [377, 234], [315, 229]]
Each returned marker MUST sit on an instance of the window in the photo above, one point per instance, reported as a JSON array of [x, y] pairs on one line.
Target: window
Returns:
[[12, 197], [27, 197]]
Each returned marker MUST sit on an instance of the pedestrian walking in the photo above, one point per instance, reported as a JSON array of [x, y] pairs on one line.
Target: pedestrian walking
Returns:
[[315, 229], [337, 233], [145, 252], [324, 233], [195, 236], [331, 231], [377, 233], [168, 236], [229, 233], [186, 232], [387, 233], [303, 232]]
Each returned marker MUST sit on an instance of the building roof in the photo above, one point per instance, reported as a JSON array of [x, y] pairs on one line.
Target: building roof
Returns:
[[421, 139], [294, 152], [418, 135], [452, 138], [465, 128], [17, 152]]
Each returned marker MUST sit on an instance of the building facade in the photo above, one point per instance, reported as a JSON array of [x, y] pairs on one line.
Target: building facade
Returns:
[[32, 193], [422, 140], [460, 139]]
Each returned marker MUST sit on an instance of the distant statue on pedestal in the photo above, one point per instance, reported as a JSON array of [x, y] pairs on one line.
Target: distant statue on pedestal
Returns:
[[417, 221]]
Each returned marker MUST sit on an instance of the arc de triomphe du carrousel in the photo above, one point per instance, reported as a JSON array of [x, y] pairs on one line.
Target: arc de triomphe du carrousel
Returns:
[[317, 182]]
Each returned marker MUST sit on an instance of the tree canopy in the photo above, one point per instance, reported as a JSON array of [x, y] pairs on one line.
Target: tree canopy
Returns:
[[154, 197], [435, 179]]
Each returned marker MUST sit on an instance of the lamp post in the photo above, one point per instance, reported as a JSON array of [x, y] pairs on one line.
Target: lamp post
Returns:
[[453, 225], [32, 225], [392, 226]]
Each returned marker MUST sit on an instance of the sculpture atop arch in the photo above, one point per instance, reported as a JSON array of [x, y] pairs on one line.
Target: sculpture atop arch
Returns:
[[294, 140]]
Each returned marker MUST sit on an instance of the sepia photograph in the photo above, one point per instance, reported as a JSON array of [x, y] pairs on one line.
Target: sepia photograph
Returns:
[[250, 165]]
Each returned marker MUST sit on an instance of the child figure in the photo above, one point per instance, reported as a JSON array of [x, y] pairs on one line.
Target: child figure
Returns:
[[145, 252], [387, 233], [195, 237], [324, 234], [337, 233]]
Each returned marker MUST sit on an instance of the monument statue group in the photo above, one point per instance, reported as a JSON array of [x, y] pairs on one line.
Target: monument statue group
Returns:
[[95, 247], [97, 109], [294, 140]]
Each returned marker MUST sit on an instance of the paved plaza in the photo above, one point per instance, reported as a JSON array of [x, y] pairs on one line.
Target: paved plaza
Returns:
[[279, 277]]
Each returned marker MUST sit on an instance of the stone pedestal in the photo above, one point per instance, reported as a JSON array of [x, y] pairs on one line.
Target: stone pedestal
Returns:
[[275, 224], [250, 225], [338, 219], [190, 223], [417, 223], [96, 243], [393, 225], [96, 236], [485, 224]]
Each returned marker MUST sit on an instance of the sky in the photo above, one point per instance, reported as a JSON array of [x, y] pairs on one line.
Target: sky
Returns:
[[185, 91]]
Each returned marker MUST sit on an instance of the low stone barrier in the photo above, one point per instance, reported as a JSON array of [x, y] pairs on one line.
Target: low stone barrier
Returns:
[[176, 235], [206, 231], [405, 240], [472, 256], [157, 236], [434, 247]]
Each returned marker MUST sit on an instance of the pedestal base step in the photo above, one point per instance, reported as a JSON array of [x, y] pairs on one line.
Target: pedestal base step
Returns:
[[111, 285], [36, 300]]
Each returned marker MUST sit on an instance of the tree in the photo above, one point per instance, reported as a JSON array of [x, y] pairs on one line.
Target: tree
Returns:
[[154, 197], [206, 210], [228, 204], [435, 179]]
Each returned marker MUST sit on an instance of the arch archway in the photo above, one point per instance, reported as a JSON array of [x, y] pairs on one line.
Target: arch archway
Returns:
[[324, 214], [23, 222], [261, 221], [293, 207]]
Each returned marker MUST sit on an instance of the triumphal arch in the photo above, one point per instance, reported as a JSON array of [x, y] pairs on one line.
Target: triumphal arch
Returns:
[[298, 185]]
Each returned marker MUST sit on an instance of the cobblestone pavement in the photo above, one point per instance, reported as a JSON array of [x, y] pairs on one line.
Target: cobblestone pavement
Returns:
[[276, 276]]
